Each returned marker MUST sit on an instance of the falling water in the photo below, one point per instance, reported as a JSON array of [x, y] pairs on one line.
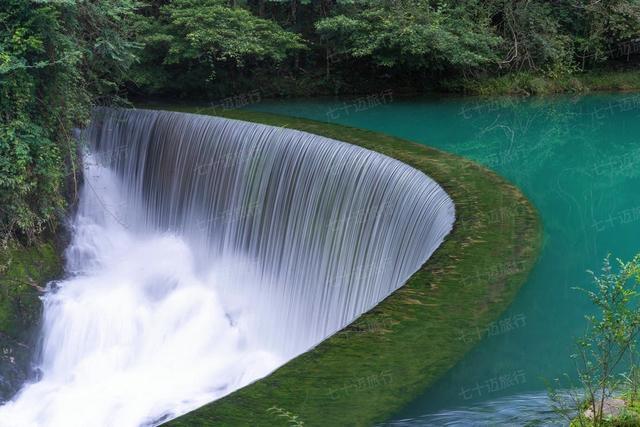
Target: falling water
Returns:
[[206, 252]]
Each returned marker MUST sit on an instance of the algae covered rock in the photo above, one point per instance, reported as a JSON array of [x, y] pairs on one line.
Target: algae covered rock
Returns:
[[24, 272]]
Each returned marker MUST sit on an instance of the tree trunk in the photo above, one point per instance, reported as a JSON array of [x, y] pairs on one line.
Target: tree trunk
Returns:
[[328, 61], [294, 11], [325, 7]]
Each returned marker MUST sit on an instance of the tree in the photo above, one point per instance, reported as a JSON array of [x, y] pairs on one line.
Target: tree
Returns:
[[56, 59], [606, 355], [191, 40], [412, 33], [532, 36], [600, 27]]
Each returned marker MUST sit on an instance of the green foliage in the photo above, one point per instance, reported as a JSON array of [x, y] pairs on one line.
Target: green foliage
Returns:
[[600, 27], [211, 29], [532, 36], [606, 357], [193, 39], [56, 58], [30, 177], [414, 33], [302, 47]]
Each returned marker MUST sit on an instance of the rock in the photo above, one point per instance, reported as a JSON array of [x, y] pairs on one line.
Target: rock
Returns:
[[24, 270], [610, 409]]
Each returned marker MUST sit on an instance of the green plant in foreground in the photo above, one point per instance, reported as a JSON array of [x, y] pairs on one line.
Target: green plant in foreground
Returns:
[[606, 356]]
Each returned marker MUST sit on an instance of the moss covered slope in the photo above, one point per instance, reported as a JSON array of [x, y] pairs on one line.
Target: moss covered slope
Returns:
[[23, 273], [364, 373]]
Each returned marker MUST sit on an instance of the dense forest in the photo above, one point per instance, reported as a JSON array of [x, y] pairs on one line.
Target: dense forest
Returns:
[[59, 58], [305, 47]]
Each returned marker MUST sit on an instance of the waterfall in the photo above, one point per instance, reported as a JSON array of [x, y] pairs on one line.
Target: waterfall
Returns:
[[206, 252]]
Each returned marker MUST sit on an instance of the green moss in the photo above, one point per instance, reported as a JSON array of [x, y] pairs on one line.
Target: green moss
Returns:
[[370, 369], [22, 271]]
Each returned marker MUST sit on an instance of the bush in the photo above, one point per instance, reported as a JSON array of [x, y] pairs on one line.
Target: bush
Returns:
[[56, 59], [606, 357]]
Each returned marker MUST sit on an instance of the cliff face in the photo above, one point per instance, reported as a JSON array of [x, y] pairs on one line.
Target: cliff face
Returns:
[[24, 272]]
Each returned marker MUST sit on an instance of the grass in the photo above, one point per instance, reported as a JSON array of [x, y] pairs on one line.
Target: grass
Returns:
[[526, 83], [379, 363]]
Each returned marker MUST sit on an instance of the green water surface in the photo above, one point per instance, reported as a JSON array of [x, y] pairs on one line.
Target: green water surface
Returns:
[[578, 160]]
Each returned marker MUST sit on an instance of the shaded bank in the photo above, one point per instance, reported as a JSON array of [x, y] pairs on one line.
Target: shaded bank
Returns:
[[379, 363], [527, 83]]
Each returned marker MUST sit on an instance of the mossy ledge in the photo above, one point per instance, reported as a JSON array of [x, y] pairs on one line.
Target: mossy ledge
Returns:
[[24, 271], [380, 362]]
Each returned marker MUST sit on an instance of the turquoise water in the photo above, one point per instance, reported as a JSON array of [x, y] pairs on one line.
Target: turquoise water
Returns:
[[578, 160]]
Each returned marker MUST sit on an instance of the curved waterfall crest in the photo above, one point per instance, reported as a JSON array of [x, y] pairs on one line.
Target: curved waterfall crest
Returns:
[[331, 228], [206, 252]]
